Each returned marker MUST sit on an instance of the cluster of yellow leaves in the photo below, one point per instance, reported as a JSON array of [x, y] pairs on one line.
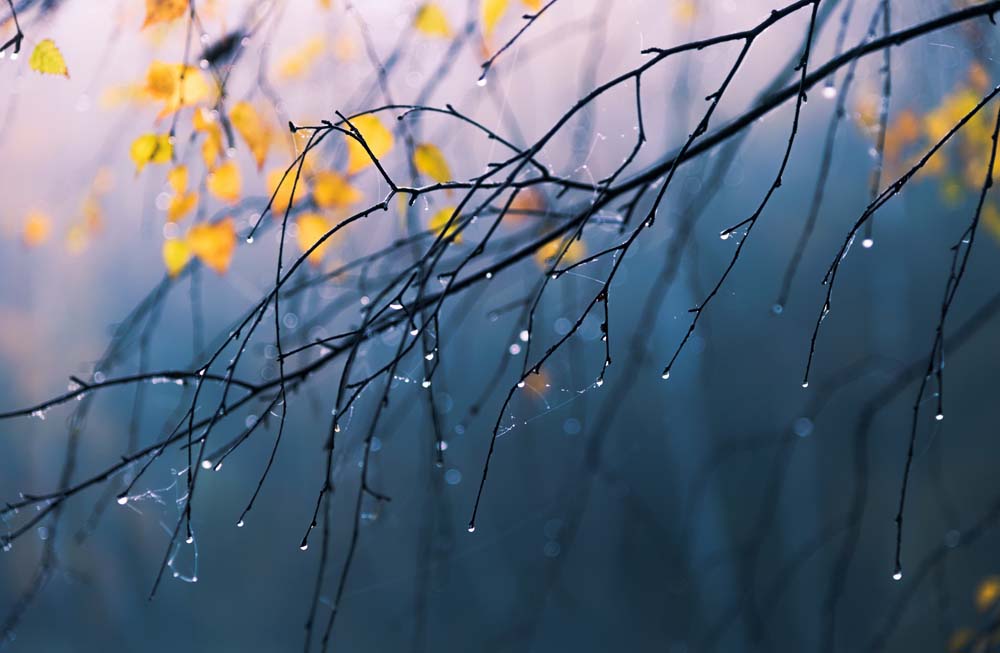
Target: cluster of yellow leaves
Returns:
[[376, 136], [164, 11], [907, 130], [298, 62], [986, 599], [176, 86], [151, 148], [212, 243], [47, 59]]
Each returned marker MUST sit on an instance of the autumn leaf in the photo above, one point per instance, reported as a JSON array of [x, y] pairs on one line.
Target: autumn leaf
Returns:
[[429, 161], [988, 593], [312, 227], [176, 85], [331, 191], [298, 62], [213, 244], [378, 138], [211, 148], [151, 148], [491, 11], [225, 182], [253, 129], [163, 11], [439, 224], [548, 252], [177, 179], [47, 59], [176, 254], [432, 21], [528, 202], [181, 205], [283, 195], [37, 229]]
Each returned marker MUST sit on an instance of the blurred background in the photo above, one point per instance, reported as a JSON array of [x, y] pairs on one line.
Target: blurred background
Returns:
[[727, 508]]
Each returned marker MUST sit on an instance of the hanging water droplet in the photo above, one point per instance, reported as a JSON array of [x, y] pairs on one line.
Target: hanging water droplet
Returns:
[[429, 356], [481, 82], [665, 375], [122, 500], [304, 546], [396, 306], [897, 576], [939, 416], [240, 524], [190, 539], [524, 335], [472, 528], [249, 240], [426, 383], [829, 91], [867, 243], [805, 384]]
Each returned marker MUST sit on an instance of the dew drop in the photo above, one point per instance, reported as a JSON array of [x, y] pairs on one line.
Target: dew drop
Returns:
[[190, 539], [303, 546], [939, 416], [867, 243], [829, 91], [122, 500], [805, 384], [665, 375], [897, 576], [240, 524], [472, 528]]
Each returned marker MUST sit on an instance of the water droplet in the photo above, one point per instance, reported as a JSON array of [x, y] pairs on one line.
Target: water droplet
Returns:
[[206, 464], [396, 306], [190, 539], [472, 528], [481, 82], [425, 383], [829, 91], [897, 576], [939, 416], [805, 384], [777, 309], [665, 375], [249, 240], [524, 335], [122, 500], [867, 243], [304, 546], [240, 524]]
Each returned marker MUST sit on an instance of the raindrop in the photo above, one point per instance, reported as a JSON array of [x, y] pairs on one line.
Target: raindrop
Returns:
[[829, 91], [304, 546], [524, 335], [867, 243], [206, 464], [897, 576], [472, 528], [122, 500], [240, 524]]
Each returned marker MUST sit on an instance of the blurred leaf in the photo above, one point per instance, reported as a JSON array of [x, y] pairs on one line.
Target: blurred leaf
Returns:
[[429, 161], [47, 59], [211, 149], [151, 148], [332, 191], [225, 182], [312, 227], [253, 129], [378, 138], [439, 224], [176, 254], [176, 85], [283, 196], [37, 229], [177, 178], [491, 11], [213, 244], [548, 252], [162, 11], [298, 62], [181, 205], [431, 20], [988, 593]]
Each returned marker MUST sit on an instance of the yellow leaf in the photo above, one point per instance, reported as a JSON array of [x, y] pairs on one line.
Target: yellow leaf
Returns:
[[312, 227], [181, 205], [211, 148], [987, 593], [224, 182], [533, 5], [548, 252], [37, 229], [332, 191], [283, 196], [151, 148], [439, 224], [176, 254], [176, 85], [491, 11], [47, 59], [253, 129], [213, 244], [431, 20], [177, 178], [429, 161], [528, 203], [162, 11], [378, 138], [685, 11], [298, 62]]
